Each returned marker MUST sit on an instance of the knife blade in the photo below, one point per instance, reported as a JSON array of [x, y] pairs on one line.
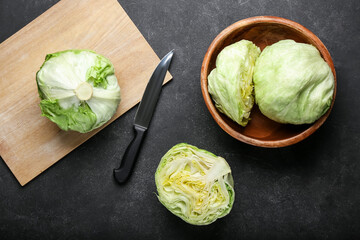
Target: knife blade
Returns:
[[143, 117]]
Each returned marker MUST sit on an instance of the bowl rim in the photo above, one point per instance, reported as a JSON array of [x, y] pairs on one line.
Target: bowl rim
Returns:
[[216, 114]]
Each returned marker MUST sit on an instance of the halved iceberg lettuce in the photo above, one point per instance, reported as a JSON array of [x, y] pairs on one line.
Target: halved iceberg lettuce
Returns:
[[194, 184], [230, 83]]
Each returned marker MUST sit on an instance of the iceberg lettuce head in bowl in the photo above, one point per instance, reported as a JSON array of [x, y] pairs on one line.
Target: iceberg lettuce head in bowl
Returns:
[[230, 83], [293, 83]]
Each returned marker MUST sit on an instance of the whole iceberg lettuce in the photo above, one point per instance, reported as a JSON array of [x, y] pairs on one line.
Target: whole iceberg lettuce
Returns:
[[230, 83], [293, 83], [78, 89]]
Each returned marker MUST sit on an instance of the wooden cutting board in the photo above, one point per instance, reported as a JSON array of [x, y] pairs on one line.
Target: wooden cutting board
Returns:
[[30, 143]]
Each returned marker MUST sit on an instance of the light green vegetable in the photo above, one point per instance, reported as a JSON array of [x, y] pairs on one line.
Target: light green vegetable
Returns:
[[230, 83], [194, 184], [78, 89], [293, 83]]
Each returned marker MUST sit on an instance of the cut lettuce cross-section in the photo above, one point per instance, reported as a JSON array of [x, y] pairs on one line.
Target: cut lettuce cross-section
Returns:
[[194, 184], [230, 83], [78, 89]]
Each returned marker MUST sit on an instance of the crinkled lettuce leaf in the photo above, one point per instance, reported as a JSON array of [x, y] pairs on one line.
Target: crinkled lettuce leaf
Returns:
[[79, 118], [194, 184], [230, 83], [293, 83]]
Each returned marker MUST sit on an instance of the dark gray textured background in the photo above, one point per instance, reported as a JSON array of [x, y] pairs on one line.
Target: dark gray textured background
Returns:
[[309, 190]]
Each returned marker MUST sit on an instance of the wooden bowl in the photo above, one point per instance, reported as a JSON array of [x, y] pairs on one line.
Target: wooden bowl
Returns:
[[262, 31]]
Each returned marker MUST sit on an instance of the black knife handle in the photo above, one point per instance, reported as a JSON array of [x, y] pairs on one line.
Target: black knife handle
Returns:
[[122, 173]]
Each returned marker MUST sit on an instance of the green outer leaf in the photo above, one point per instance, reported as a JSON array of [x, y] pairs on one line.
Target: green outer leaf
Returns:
[[80, 118], [180, 150], [230, 83], [97, 74]]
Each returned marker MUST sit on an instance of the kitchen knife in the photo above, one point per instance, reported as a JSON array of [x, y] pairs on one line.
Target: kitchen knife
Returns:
[[143, 117]]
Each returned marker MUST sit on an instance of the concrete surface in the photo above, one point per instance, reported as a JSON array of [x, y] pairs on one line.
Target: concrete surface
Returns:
[[308, 190]]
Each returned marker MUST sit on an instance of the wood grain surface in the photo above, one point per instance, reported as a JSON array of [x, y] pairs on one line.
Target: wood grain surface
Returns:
[[30, 143]]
